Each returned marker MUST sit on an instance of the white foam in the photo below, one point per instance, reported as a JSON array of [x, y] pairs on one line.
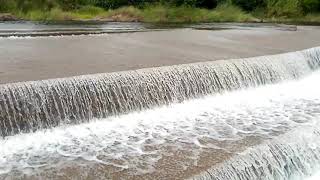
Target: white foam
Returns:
[[316, 176], [15, 37], [230, 116]]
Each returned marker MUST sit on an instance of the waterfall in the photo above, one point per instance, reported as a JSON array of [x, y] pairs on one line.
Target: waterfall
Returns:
[[285, 158], [30, 106]]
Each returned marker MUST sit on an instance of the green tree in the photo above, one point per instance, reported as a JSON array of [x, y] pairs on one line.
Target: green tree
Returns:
[[249, 5], [284, 8], [310, 5], [7, 6]]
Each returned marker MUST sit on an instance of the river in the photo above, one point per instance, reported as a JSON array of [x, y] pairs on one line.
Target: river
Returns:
[[195, 117]]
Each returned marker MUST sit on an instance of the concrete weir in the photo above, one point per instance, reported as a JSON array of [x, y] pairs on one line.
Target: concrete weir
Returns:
[[239, 119], [268, 132], [281, 158], [30, 106]]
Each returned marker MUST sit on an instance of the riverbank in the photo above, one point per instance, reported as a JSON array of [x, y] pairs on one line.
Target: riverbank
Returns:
[[158, 14], [155, 14]]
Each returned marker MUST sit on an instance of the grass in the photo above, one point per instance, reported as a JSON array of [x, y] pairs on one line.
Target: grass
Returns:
[[312, 18], [183, 14], [56, 14], [308, 19], [154, 13], [124, 14], [164, 14]]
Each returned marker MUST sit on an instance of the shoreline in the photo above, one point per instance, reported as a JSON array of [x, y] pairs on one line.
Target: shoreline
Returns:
[[170, 15], [15, 19]]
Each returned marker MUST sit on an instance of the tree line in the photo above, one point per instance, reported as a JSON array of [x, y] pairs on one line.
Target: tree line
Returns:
[[269, 7]]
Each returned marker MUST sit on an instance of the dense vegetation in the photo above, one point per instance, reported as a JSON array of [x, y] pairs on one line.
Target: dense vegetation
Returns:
[[165, 10]]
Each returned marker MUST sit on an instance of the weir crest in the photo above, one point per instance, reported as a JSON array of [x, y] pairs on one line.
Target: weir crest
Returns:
[[30, 106]]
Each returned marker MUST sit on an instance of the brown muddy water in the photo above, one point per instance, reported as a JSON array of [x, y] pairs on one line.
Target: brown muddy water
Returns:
[[246, 118], [37, 58]]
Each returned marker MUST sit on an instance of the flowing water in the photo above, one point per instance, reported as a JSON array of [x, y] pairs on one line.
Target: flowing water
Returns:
[[29, 106], [30, 29], [213, 119], [36, 29]]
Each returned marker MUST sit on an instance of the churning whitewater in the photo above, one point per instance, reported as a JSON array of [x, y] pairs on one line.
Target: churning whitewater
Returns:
[[212, 120], [269, 132], [30, 106]]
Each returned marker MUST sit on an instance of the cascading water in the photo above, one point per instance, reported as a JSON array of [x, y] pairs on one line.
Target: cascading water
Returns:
[[30, 106], [282, 159], [269, 132]]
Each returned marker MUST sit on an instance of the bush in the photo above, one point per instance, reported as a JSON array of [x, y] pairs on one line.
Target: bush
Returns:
[[284, 8], [29, 5], [310, 5], [224, 12], [156, 13], [90, 10], [141, 3], [7, 6], [249, 5], [69, 4], [129, 13], [111, 4], [209, 4], [228, 12], [162, 10]]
